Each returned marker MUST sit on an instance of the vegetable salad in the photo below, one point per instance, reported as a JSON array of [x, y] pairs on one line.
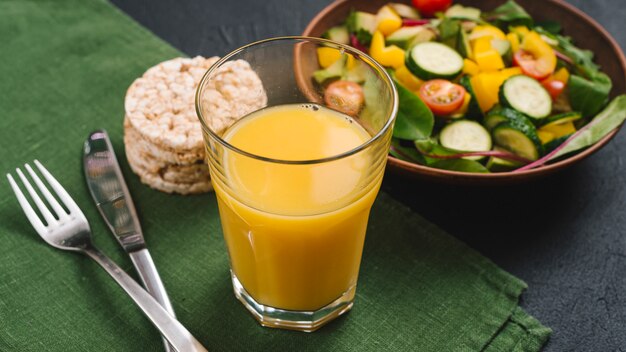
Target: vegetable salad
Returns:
[[479, 91]]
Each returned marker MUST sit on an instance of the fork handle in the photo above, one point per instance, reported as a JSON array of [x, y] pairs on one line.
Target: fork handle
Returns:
[[170, 328]]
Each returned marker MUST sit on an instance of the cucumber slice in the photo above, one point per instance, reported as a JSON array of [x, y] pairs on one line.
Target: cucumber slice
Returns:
[[338, 34], [405, 11], [561, 118], [432, 60], [461, 12], [463, 44], [495, 164], [405, 36], [518, 140], [363, 24], [500, 114], [336, 70], [502, 46], [527, 96], [467, 136], [473, 110]]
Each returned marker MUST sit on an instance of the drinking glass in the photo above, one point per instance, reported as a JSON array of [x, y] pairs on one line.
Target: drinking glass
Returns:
[[295, 244]]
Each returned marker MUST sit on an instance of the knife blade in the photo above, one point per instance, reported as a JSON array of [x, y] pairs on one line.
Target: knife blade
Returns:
[[110, 193]]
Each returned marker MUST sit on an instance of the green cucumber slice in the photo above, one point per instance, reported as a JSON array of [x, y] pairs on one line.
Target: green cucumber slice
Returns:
[[518, 140], [466, 136], [405, 36], [461, 12], [527, 96], [338, 34], [500, 114], [561, 118], [432, 60], [405, 11], [473, 110], [495, 164]]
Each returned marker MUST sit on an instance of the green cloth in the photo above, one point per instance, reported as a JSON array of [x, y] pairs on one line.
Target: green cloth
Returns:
[[64, 69]]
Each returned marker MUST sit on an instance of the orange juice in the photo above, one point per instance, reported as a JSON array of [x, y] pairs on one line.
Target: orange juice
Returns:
[[295, 232]]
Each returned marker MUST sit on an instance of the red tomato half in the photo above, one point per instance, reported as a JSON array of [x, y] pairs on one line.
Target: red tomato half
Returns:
[[442, 97], [428, 8], [344, 96], [529, 65], [553, 86]]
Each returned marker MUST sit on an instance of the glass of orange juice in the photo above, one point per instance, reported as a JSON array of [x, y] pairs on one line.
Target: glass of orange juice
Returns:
[[297, 153]]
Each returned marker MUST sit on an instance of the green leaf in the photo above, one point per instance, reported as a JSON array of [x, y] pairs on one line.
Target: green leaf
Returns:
[[461, 165], [552, 27], [449, 32], [405, 153], [589, 96], [605, 122], [510, 14], [429, 146], [414, 120]]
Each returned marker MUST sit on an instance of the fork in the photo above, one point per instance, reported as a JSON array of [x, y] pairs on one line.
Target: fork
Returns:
[[70, 231]]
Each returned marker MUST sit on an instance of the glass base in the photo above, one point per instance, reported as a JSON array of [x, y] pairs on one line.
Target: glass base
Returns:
[[307, 321]]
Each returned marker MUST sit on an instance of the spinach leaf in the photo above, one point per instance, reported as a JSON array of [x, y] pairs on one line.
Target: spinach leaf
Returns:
[[409, 154], [429, 146], [449, 32], [414, 120], [606, 121], [589, 95], [510, 14], [462, 165], [552, 27]]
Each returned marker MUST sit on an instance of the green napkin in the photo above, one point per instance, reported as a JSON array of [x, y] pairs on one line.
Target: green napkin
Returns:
[[64, 69]]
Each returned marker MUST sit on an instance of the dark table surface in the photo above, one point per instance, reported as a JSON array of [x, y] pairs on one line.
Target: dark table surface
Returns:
[[564, 235]]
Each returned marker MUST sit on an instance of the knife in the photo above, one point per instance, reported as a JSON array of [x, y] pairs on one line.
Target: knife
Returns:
[[110, 193]]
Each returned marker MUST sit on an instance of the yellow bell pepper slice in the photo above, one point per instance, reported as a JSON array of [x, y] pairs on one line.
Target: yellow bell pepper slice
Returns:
[[407, 79], [470, 67], [387, 20], [541, 51], [485, 56], [488, 31], [560, 130], [562, 75], [521, 31], [510, 72], [391, 56], [327, 56], [514, 41], [486, 86], [545, 136]]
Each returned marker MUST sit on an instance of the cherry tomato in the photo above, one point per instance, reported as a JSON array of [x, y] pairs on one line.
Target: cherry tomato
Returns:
[[442, 97], [553, 86], [344, 96], [530, 65], [428, 8]]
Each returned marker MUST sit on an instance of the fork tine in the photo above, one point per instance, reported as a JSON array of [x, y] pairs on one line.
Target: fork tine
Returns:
[[38, 202], [28, 210], [44, 190], [60, 191]]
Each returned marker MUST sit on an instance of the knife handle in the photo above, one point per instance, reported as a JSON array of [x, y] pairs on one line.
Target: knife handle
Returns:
[[152, 282]]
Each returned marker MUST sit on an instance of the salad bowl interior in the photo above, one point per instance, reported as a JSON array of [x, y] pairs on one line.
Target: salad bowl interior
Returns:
[[586, 34]]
